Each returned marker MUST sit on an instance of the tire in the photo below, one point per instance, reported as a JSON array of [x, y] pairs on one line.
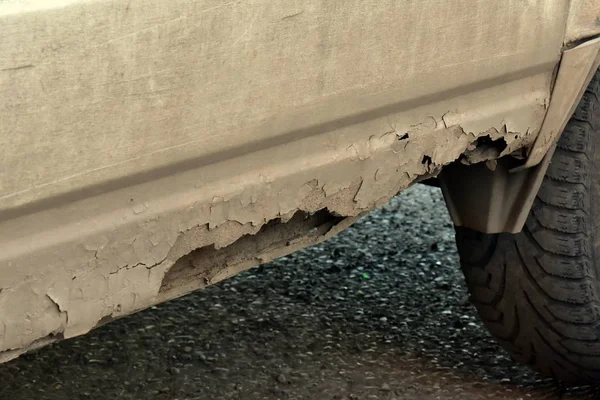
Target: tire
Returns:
[[538, 291]]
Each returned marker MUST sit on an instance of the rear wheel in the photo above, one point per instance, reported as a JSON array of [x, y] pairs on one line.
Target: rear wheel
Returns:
[[538, 291]]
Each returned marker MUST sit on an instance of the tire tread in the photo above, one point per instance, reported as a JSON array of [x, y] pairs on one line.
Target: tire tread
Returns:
[[546, 275]]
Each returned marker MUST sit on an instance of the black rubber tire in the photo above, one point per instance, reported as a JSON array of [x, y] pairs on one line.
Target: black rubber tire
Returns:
[[538, 291]]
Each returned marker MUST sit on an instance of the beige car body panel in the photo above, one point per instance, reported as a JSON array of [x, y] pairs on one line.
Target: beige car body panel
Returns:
[[583, 21], [134, 132]]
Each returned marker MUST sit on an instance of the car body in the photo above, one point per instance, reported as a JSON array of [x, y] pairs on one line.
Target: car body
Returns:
[[153, 147]]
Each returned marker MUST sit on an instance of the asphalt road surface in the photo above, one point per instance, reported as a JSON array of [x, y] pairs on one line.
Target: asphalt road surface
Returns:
[[380, 312]]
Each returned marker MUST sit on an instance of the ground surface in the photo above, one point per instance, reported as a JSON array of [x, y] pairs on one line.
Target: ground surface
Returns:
[[380, 312]]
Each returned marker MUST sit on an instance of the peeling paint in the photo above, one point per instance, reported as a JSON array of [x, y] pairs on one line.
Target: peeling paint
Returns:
[[98, 229], [120, 276]]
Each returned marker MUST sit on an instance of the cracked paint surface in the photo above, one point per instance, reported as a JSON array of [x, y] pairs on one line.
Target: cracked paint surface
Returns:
[[115, 272], [145, 151]]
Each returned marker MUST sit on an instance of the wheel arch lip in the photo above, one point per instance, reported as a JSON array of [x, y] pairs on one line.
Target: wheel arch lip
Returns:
[[575, 71]]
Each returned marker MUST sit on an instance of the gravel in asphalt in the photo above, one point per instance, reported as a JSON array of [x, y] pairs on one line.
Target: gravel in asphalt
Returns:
[[379, 312]]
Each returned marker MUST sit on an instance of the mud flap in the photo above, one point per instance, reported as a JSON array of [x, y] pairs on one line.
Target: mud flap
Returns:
[[489, 197]]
